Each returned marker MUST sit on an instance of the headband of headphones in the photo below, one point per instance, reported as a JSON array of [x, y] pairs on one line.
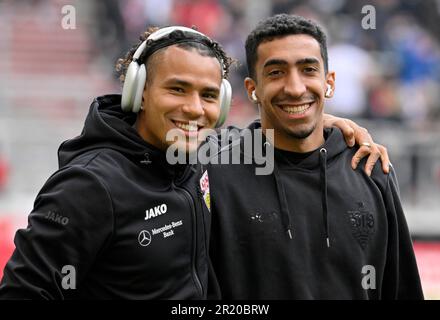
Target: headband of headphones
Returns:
[[165, 41]]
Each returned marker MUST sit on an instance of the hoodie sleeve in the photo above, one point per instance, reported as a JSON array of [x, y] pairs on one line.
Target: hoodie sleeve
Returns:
[[70, 223], [401, 278]]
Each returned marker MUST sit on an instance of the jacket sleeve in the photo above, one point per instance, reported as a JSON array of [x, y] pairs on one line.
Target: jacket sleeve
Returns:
[[70, 223], [401, 278]]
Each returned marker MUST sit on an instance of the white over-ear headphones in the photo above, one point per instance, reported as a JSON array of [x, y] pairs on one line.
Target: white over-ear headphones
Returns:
[[136, 76], [328, 92]]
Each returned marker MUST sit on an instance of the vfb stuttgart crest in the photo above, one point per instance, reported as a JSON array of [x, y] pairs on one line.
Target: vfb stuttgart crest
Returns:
[[362, 224]]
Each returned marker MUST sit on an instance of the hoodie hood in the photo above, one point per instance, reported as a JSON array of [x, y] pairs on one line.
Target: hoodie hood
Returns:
[[107, 126]]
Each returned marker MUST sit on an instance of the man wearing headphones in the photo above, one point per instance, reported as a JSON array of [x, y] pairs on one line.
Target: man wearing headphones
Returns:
[[117, 220]]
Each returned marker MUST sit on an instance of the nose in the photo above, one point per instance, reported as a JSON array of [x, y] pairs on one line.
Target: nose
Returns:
[[194, 106], [295, 86]]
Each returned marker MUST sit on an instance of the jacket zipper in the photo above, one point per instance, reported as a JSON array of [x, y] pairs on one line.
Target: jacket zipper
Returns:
[[202, 204], [194, 247]]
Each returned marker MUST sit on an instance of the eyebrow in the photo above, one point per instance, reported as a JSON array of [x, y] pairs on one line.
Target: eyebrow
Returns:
[[183, 83], [308, 61], [272, 62], [179, 82]]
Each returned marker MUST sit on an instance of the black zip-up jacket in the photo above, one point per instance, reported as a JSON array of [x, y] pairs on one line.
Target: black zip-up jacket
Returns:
[[314, 229], [119, 219]]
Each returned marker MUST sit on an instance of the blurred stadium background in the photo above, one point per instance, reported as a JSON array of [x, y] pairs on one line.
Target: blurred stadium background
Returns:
[[388, 79]]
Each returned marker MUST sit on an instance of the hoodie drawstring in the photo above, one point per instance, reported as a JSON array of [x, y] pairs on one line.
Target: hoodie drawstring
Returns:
[[323, 174], [283, 201], [324, 198]]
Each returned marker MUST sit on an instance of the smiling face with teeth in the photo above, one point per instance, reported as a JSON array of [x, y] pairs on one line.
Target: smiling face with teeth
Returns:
[[181, 93], [290, 85]]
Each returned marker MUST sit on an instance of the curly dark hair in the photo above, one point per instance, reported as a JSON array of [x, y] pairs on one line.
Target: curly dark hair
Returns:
[[204, 46], [278, 26]]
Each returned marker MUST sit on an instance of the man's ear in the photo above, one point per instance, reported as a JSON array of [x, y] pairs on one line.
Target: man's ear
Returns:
[[250, 86], [144, 97], [330, 84]]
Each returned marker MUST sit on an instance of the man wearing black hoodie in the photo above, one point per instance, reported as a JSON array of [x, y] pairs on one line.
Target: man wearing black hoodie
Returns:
[[117, 220], [315, 228]]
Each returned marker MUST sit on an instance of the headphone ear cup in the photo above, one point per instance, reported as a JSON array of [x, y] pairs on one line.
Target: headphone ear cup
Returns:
[[225, 102], [139, 90], [129, 87]]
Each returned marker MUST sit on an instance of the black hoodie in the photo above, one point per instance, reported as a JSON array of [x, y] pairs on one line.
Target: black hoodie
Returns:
[[115, 221], [314, 229]]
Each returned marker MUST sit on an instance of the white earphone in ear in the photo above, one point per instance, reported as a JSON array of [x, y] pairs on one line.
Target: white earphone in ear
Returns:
[[136, 75], [328, 92], [254, 96]]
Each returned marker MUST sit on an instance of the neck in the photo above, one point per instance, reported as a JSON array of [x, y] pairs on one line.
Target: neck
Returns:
[[141, 130]]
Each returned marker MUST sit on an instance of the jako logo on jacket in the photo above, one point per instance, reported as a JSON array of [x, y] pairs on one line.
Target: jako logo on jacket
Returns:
[[156, 211]]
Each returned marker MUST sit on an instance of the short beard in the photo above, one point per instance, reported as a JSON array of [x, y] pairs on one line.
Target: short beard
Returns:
[[303, 133]]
